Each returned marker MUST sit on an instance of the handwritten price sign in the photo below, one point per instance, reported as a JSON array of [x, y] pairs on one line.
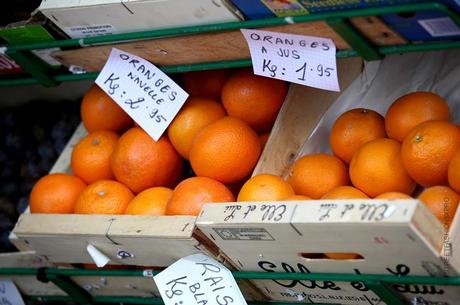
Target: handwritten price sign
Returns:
[[9, 294], [198, 280], [304, 60], [148, 95]]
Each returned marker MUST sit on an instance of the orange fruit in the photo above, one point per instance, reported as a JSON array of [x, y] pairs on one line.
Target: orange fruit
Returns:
[[315, 175], [207, 83], [190, 195], [354, 128], [226, 150], [428, 149], [393, 195], [91, 156], [412, 109], [453, 172], [297, 197], [140, 163], [342, 256], [442, 201], [151, 201], [104, 197], [265, 187], [55, 194], [254, 99], [263, 139], [99, 112], [345, 192], [194, 115], [377, 168]]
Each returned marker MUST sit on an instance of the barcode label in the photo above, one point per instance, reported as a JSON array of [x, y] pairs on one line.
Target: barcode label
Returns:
[[440, 27]]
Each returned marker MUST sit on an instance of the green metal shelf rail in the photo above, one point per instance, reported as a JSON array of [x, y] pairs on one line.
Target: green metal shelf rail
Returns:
[[379, 284], [40, 73]]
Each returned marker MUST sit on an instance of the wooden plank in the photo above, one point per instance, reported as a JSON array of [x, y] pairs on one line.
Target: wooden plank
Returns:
[[64, 238], [299, 115], [28, 284], [189, 49], [62, 164], [377, 32], [392, 236]]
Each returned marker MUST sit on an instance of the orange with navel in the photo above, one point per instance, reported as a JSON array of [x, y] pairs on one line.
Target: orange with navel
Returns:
[[345, 192], [99, 112], [140, 162], [194, 115], [427, 151], [254, 99], [208, 83], [151, 201], [55, 194], [377, 168], [90, 158], [442, 201], [226, 150], [354, 128], [315, 175], [104, 197], [265, 187], [412, 109], [190, 195]]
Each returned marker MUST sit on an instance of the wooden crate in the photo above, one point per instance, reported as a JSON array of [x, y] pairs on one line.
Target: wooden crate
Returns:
[[159, 240], [28, 284], [395, 237], [151, 240]]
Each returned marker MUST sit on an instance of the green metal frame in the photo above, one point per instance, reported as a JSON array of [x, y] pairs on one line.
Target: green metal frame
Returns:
[[338, 20], [379, 284]]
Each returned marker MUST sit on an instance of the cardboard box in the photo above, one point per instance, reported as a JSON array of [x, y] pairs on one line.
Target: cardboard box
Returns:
[[104, 17]]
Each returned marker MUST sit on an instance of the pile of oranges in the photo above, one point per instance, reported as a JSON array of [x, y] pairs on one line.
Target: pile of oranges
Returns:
[[210, 148], [413, 151], [213, 144]]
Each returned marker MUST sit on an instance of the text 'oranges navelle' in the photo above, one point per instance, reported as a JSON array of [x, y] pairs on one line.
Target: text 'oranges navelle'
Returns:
[[190, 195], [90, 158], [139, 162], [315, 175], [104, 197], [427, 150], [377, 168], [226, 150], [55, 194], [265, 187], [99, 112]]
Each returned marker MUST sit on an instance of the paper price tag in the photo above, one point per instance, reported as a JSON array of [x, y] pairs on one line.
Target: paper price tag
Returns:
[[9, 294], [304, 60], [148, 95], [198, 280]]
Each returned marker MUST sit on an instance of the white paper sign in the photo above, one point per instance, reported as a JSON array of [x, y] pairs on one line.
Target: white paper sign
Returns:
[[9, 294], [198, 280], [148, 95], [305, 60]]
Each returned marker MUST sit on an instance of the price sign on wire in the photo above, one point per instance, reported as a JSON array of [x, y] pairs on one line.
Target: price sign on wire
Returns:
[[304, 60], [148, 95], [198, 280], [9, 294]]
